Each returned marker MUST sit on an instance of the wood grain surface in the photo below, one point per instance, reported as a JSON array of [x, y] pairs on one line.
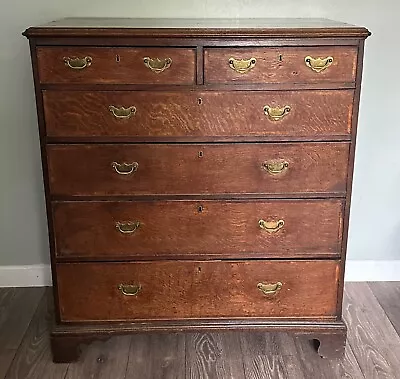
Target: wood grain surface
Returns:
[[374, 340], [205, 355], [116, 65], [168, 350], [86, 170], [196, 289], [312, 113], [280, 64], [183, 229]]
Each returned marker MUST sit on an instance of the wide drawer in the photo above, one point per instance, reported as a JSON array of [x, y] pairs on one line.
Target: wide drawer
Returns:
[[304, 64], [182, 229], [190, 289], [116, 65], [146, 169], [185, 114]]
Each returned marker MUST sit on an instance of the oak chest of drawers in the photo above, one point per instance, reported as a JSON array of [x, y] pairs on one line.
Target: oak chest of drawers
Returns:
[[197, 174]]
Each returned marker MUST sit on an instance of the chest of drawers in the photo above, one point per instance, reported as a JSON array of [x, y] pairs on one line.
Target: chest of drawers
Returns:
[[197, 174]]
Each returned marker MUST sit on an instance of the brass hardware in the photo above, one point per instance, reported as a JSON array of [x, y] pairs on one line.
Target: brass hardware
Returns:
[[276, 113], [271, 226], [242, 66], [122, 112], [78, 63], [318, 64], [275, 167], [269, 288], [125, 168], [128, 227], [130, 289], [157, 65], [200, 154]]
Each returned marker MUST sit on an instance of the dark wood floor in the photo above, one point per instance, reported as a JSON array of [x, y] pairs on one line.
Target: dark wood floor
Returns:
[[371, 311]]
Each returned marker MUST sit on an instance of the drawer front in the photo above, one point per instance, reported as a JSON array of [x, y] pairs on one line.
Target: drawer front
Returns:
[[180, 229], [280, 64], [184, 289], [174, 114], [279, 168], [116, 65]]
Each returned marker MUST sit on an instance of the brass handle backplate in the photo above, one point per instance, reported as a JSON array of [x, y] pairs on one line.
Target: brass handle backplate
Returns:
[[130, 289], [269, 288], [275, 168], [122, 112], [271, 226], [242, 66], [318, 64], [128, 227], [78, 63], [125, 168], [276, 113], [157, 65]]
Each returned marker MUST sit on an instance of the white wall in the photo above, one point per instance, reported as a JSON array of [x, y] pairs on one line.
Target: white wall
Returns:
[[375, 218]]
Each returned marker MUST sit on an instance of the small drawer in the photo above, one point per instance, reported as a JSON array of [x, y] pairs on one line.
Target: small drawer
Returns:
[[182, 229], [168, 290], [115, 65], [321, 113], [180, 169], [322, 64]]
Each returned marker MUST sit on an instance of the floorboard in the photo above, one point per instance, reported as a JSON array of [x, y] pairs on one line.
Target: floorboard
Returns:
[[17, 307], [371, 311], [33, 358], [388, 296], [157, 356], [372, 337], [213, 355]]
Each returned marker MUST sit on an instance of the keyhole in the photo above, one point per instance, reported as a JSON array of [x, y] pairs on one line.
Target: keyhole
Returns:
[[201, 154], [200, 208], [200, 101], [117, 58], [280, 58]]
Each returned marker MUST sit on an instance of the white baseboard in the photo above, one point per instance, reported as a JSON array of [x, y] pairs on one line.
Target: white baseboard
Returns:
[[25, 276], [372, 271], [356, 271]]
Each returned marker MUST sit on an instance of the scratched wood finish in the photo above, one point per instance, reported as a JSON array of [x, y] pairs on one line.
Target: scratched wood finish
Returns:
[[86, 170], [198, 113], [280, 64], [196, 289], [197, 228], [115, 65]]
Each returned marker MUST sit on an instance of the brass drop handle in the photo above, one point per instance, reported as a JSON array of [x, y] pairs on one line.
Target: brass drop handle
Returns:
[[242, 66], [318, 64], [276, 113], [271, 226], [130, 289], [78, 63], [275, 168], [122, 112], [157, 65], [269, 288], [127, 227], [125, 168]]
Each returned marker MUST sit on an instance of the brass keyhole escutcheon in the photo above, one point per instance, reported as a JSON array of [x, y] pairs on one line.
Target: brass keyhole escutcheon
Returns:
[[200, 154], [200, 208], [200, 101]]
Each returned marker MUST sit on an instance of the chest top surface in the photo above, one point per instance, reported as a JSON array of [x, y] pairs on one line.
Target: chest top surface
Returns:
[[206, 27]]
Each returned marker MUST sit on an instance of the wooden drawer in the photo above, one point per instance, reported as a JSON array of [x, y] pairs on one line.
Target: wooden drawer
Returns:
[[280, 64], [182, 229], [115, 65], [176, 114], [184, 289], [277, 168]]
